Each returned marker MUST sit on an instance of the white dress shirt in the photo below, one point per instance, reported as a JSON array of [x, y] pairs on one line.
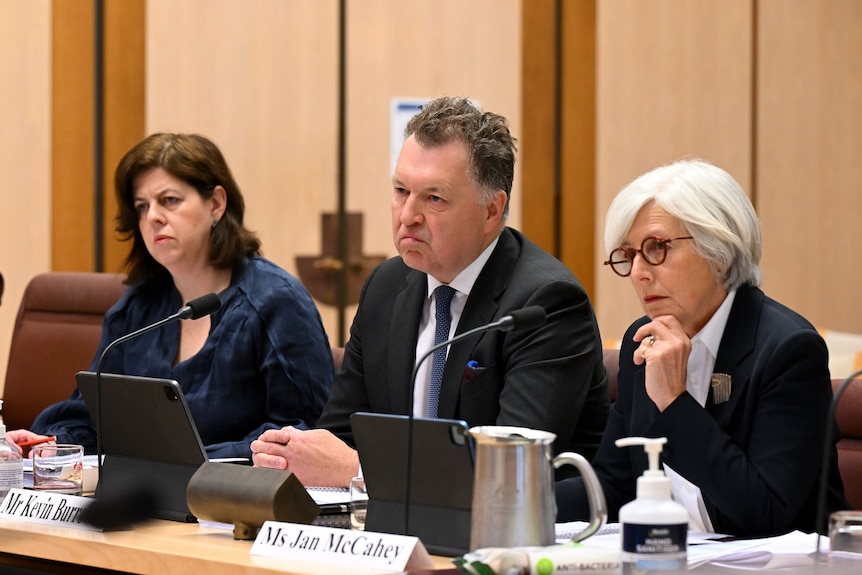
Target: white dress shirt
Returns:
[[701, 361], [463, 284]]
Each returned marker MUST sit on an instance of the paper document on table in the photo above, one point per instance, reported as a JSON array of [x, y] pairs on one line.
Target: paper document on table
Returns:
[[688, 495], [565, 531], [329, 495], [795, 549]]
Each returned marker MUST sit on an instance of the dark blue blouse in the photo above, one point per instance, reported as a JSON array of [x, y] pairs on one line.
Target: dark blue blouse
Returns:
[[266, 363]]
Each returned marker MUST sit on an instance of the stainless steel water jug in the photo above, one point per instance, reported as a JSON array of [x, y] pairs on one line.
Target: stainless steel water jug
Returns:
[[513, 489]]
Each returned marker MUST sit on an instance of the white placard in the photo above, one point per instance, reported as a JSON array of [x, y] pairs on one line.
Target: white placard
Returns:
[[341, 546], [400, 112], [46, 508]]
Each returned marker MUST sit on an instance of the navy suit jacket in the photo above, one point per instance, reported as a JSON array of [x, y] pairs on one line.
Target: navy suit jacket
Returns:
[[551, 378], [756, 458]]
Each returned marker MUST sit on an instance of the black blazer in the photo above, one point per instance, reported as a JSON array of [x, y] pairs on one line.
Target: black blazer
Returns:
[[755, 458], [552, 378]]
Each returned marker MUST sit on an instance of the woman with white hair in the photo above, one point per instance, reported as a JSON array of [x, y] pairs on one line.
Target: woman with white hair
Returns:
[[738, 383]]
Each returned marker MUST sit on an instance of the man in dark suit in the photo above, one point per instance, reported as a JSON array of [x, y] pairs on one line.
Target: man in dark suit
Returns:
[[450, 200]]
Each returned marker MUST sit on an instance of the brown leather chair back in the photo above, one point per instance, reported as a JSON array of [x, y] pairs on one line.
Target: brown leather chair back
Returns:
[[56, 334], [847, 416]]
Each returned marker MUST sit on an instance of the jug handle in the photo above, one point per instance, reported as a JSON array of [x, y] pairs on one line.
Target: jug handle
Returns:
[[595, 495]]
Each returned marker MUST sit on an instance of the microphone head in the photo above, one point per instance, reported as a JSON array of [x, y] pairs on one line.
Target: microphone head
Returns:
[[527, 318], [200, 307]]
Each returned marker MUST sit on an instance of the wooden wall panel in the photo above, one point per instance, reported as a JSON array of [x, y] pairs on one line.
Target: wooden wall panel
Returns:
[[538, 146], [25, 152], [674, 79], [259, 79], [809, 176], [265, 89], [422, 48], [74, 70], [578, 151], [559, 144], [72, 48], [123, 96]]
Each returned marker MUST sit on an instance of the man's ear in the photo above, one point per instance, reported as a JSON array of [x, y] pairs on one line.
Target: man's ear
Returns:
[[496, 210]]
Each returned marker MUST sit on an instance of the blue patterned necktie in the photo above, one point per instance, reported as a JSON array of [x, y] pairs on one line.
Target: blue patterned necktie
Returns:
[[443, 297]]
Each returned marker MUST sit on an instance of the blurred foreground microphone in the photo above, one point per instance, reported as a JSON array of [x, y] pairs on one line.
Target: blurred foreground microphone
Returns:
[[135, 503], [195, 309], [820, 519], [527, 318]]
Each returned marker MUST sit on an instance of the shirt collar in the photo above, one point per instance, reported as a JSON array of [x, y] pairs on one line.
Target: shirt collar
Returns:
[[712, 332], [463, 282]]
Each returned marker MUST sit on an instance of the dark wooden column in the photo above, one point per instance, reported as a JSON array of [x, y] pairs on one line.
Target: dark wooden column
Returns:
[[72, 113], [86, 128], [124, 98], [558, 140]]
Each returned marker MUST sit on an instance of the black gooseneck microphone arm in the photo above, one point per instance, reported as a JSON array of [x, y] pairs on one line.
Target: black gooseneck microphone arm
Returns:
[[195, 309], [522, 319], [820, 518]]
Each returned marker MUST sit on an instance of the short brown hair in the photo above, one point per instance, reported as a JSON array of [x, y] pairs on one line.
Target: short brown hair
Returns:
[[198, 162], [486, 136]]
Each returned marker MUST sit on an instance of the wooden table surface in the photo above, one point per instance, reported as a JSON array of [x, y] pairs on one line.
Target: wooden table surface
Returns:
[[158, 547]]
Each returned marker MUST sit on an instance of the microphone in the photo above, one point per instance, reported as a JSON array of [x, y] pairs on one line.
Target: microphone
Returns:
[[820, 518], [527, 318], [199, 307], [195, 309]]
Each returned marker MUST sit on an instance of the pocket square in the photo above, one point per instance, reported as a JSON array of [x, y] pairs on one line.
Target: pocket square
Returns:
[[472, 370]]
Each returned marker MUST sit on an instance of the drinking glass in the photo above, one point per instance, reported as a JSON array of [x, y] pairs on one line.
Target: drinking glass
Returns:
[[845, 532], [358, 503], [58, 468]]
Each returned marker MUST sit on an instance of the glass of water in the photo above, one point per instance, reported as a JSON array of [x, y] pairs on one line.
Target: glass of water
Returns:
[[358, 503], [58, 468], [845, 533]]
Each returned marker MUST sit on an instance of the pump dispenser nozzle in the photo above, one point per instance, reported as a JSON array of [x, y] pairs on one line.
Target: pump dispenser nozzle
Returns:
[[653, 482], [653, 447]]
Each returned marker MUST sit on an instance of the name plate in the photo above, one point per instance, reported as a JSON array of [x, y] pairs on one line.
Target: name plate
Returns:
[[341, 546], [46, 508]]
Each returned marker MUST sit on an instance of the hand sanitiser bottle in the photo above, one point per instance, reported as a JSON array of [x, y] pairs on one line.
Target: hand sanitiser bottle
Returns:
[[11, 463], [653, 526]]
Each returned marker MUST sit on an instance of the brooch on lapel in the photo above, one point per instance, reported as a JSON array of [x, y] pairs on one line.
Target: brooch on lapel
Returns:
[[720, 388]]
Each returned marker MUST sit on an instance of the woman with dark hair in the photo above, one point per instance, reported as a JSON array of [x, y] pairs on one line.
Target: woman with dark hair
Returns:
[[261, 362]]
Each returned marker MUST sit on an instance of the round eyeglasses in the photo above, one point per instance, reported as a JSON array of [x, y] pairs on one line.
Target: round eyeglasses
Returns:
[[653, 250]]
